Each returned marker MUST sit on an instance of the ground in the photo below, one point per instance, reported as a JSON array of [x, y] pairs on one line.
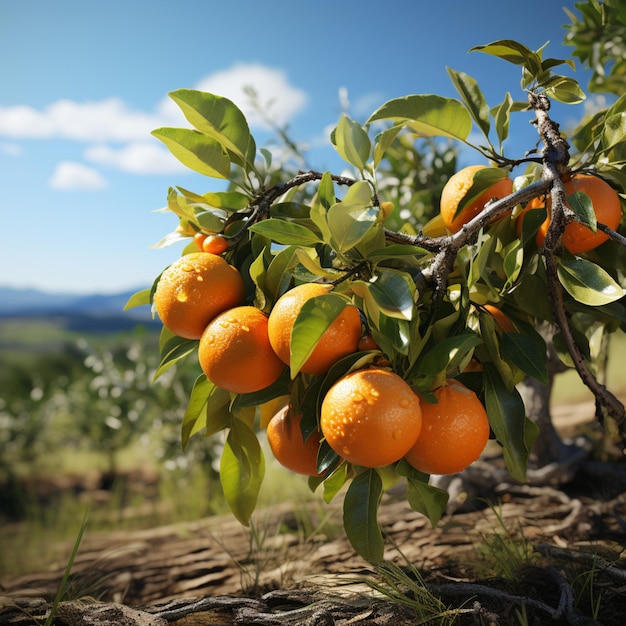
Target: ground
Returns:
[[517, 554]]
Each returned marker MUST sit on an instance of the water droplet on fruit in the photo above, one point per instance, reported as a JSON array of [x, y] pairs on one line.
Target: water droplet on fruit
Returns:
[[181, 296], [397, 434], [405, 403], [186, 267]]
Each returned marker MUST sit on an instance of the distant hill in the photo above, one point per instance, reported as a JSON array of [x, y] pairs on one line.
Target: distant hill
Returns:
[[32, 302]]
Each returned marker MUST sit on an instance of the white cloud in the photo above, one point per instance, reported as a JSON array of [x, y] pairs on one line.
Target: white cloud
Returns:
[[121, 134], [139, 157], [279, 99], [71, 175], [105, 120]]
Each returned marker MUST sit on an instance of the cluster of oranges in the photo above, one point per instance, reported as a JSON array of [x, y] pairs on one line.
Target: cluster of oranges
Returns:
[[369, 417], [577, 238]]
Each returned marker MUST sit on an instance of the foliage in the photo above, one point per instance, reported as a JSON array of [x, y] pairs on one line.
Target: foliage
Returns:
[[421, 292], [599, 38]]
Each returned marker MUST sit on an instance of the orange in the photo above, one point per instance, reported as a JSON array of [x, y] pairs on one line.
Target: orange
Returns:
[[340, 339], [577, 238], [455, 190], [193, 290], [215, 244], [366, 342], [199, 241], [454, 432], [371, 417], [501, 319], [288, 446], [235, 352]]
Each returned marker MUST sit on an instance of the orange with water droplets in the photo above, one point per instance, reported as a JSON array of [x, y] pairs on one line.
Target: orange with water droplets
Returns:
[[193, 290], [371, 417], [235, 351], [454, 432], [340, 338]]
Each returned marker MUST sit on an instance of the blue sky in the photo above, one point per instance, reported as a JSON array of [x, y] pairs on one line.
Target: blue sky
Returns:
[[84, 83]]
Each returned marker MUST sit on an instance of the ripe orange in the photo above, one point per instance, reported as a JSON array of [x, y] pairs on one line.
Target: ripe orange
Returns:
[[198, 239], [454, 191], [371, 417], [501, 319], [215, 244], [577, 238], [291, 451], [366, 342], [341, 337], [235, 352], [454, 431], [193, 290]]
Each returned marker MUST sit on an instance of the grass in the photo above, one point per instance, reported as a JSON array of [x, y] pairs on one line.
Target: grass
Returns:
[[42, 536]]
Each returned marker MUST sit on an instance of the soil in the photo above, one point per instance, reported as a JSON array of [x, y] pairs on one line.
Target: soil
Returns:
[[516, 554]]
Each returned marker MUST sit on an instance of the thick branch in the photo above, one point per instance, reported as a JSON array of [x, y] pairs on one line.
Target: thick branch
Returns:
[[556, 158]]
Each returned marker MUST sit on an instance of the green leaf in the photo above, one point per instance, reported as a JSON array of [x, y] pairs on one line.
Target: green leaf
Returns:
[[205, 399], [327, 458], [447, 354], [383, 142], [482, 180], [351, 142], [614, 132], [309, 259], [513, 260], [242, 469], [526, 354], [174, 349], [141, 298], [196, 151], [507, 418], [582, 205], [564, 89], [424, 498], [279, 272], [513, 52], [315, 316], [473, 97], [502, 114], [588, 283], [360, 511], [220, 119], [334, 483], [350, 220], [285, 233], [392, 293], [427, 115]]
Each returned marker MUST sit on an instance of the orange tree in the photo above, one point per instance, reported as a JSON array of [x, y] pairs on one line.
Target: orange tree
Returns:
[[425, 295]]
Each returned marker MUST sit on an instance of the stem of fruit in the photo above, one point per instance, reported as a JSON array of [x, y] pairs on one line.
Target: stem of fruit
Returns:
[[556, 159]]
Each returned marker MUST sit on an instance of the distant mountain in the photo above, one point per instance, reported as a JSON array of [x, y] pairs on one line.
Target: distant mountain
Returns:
[[32, 302]]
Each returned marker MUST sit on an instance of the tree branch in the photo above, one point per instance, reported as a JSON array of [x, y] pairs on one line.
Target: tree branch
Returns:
[[556, 159]]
